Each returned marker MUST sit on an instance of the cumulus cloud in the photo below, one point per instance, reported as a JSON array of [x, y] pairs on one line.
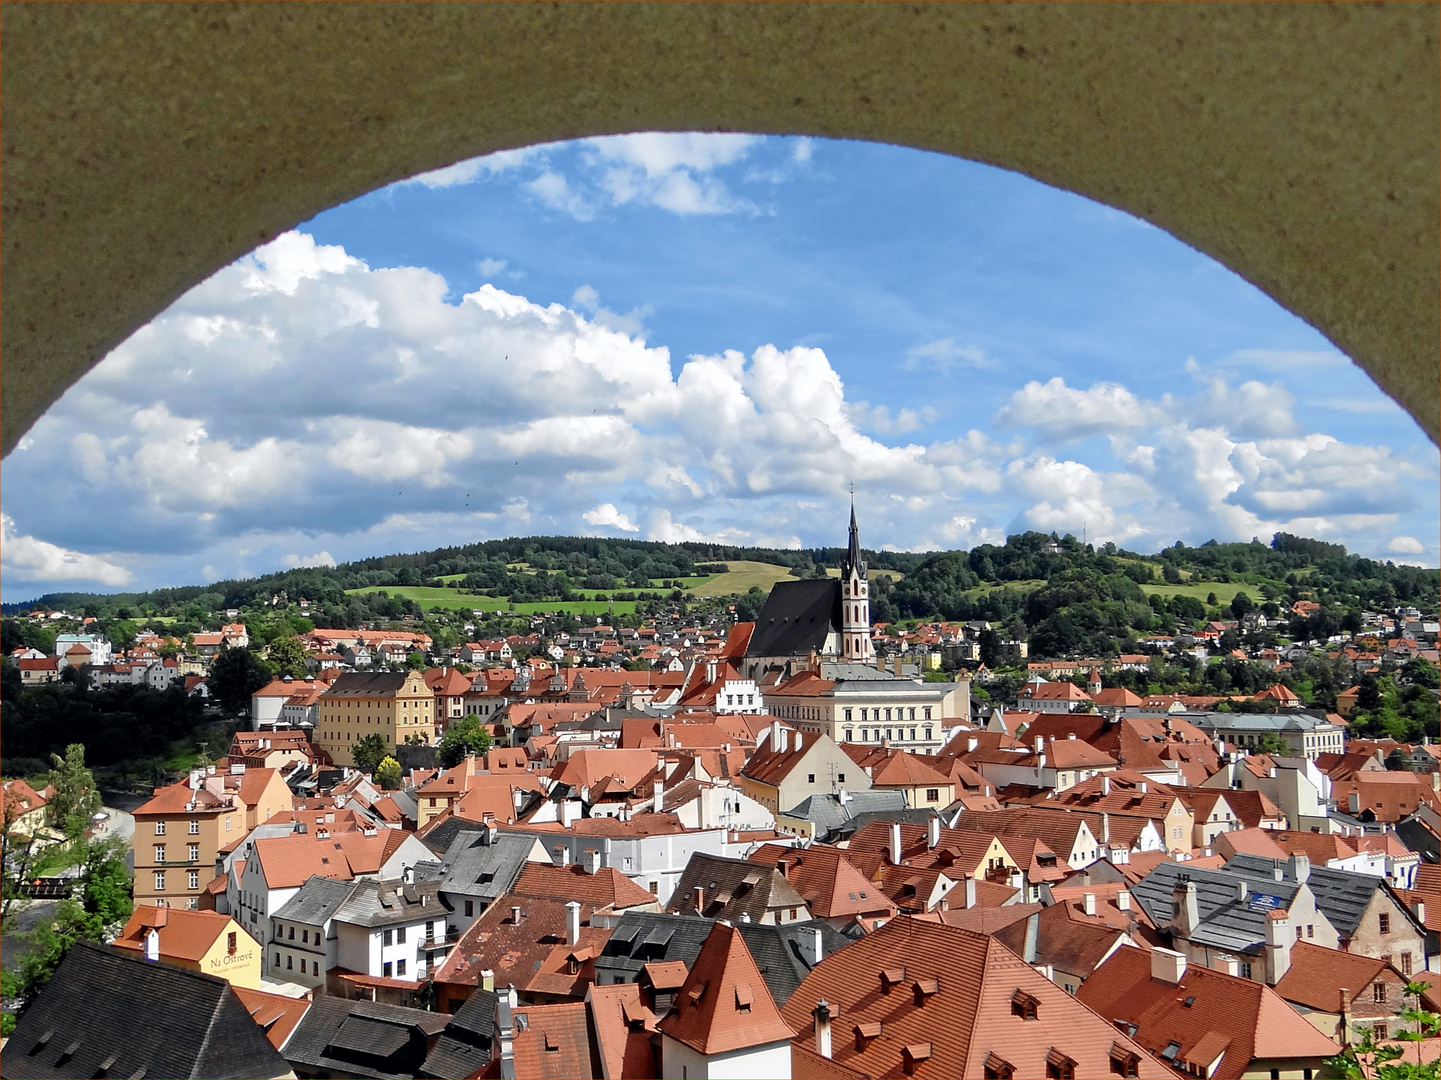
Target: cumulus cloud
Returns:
[[607, 516], [28, 559], [1405, 545], [301, 401], [1064, 412]]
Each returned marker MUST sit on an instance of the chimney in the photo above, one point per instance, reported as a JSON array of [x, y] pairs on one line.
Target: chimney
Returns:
[[782, 740], [1088, 903], [657, 796], [1144, 787], [1168, 966], [1418, 909], [933, 833], [152, 944], [1123, 900], [970, 891], [592, 861], [818, 947], [1243, 890], [1227, 964], [971, 744], [558, 856], [1185, 907], [505, 1034], [487, 979], [1299, 870], [515, 914], [1353, 802], [1040, 743], [1105, 829], [1105, 785], [822, 1014], [798, 740], [572, 923], [896, 843], [1278, 946]]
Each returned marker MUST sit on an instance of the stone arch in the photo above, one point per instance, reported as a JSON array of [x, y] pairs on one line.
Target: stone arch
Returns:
[[146, 146]]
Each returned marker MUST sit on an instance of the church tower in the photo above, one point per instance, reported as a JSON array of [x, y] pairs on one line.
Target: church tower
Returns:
[[855, 600]]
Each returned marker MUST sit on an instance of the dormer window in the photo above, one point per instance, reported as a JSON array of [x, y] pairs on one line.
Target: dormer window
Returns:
[[865, 1033], [998, 1068], [891, 976], [1124, 1062], [1025, 1005], [924, 988], [1059, 1066]]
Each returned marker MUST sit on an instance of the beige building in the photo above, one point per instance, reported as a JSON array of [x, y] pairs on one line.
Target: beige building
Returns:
[[181, 829], [856, 703], [396, 705], [196, 941], [791, 765]]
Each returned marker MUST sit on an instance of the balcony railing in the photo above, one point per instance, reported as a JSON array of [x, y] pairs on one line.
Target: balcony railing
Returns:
[[437, 941]]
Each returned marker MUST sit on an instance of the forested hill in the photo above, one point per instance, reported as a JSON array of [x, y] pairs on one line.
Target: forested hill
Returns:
[[1035, 582]]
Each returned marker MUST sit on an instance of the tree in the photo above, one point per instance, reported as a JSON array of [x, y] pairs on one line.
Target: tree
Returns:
[[466, 737], [1240, 604], [287, 656], [1366, 1057], [388, 774], [416, 661], [235, 674], [75, 799], [1268, 742], [369, 752]]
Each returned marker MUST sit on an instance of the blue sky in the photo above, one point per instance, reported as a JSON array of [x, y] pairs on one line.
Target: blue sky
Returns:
[[707, 336]]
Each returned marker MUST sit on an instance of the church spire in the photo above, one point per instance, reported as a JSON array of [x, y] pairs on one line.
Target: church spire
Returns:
[[853, 552], [855, 597]]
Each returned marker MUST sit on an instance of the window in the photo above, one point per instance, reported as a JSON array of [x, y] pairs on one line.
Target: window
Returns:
[[400, 967], [469, 908], [1024, 1005], [385, 969], [793, 917], [227, 824], [277, 960], [997, 1068], [911, 715], [160, 828], [1385, 920], [848, 717], [400, 936], [193, 904], [811, 779], [159, 852], [1382, 1032], [289, 962], [1405, 963], [850, 734], [1124, 1063], [193, 852], [840, 779], [1378, 992], [928, 734], [933, 794], [160, 881], [302, 966], [1310, 930], [195, 828], [388, 938], [1059, 1066], [194, 879], [888, 717], [926, 713]]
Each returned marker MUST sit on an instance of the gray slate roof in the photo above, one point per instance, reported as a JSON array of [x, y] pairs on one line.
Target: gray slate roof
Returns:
[[106, 1014], [796, 618], [361, 1038], [1226, 921], [484, 869], [317, 901], [730, 888], [831, 816], [1342, 895], [367, 684], [778, 951], [390, 903], [464, 1047]]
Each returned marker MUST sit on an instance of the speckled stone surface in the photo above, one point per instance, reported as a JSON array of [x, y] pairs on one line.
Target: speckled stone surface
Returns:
[[143, 146]]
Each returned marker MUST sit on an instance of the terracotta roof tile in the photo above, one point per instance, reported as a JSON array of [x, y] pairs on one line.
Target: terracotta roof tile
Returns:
[[724, 1004], [184, 934]]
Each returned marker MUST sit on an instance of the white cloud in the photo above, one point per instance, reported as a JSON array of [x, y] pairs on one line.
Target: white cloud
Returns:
[[320, 558], [1406, 545], [945, 354], [28, 559], [491, 267], [607, 516], [555, 191], [468, 171], [1063, 412], [300, 401]]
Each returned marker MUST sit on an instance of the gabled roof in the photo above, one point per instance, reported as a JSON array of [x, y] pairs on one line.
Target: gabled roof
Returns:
[[184, 934], [483, 867], [724, 1004], [1341, 895], [1317, 975], [796, 618], [771, 765], [830, 885], [106, 1013], [317, 901], [722, 888], [552, 1042], [464, 1047], [623, 1052], [278, 1016], [607, 888], [1208, 1014], [363, 1038], [948, 994]]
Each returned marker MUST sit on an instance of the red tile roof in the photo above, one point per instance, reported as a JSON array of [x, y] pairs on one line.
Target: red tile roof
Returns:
[[724, 1004], [623, 1052], [830, 885], [278, 1015], [955, 990], [552, 1042], [1248, 1019], [607, 888], [184, 934], [1317, 975]]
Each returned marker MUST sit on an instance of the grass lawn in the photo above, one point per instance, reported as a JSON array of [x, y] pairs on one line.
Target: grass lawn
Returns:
[[740, 576], [452, 600], [894, 575], [1225, 591]]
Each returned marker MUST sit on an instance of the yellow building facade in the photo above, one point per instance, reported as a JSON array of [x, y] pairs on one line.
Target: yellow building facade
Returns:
[[397, 705]]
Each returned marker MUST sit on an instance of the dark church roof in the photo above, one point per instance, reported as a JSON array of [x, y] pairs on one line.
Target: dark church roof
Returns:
[[361, 1038], [797, 617], [106, 1014]]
